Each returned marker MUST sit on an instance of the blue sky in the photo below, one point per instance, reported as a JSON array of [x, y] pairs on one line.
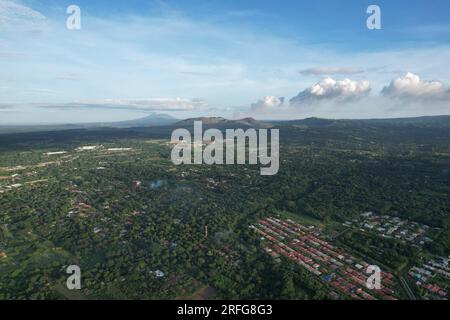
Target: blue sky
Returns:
[[266, 59]]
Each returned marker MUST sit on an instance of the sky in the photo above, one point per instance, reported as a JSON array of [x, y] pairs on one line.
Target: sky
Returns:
[[266, 59]]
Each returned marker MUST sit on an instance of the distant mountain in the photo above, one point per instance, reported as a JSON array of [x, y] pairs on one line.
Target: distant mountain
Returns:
[[308, 122], [426, 121], [220, 122], [204, 120], [419, 131], [250, 122], [162, 123], [152, 120]]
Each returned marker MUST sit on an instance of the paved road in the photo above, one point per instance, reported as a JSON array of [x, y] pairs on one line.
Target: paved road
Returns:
[[340, 234], [407, 289]]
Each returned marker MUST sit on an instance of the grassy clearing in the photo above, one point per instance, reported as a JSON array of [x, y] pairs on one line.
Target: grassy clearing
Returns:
[[299, 218]]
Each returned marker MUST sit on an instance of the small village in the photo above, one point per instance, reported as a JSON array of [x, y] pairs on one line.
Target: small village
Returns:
[[392, 227], [433, 278], [345, 274]]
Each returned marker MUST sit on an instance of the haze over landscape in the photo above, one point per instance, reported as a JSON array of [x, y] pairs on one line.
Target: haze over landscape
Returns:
[[240, 151]]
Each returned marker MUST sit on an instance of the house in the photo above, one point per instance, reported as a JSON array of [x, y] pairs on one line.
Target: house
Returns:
[[86, 148], [55, 153], [366, 214], [97, 230], [137, 184], [159, 274]]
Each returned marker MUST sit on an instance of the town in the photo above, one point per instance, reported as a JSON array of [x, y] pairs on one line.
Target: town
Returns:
[[345, 274], [213, 152]]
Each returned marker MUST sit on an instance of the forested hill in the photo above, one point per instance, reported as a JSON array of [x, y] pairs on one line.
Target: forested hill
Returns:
[[426, 121], [424, 131]]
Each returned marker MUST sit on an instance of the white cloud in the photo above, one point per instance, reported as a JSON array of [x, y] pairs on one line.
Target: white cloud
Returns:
[[330, 89], [268, 104], [411, 86], [330, 71], [151, 104], [17, 17]]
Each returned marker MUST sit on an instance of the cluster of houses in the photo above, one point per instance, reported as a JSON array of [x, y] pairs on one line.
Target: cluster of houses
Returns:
[[392, 227], [31, 170], [345, 274], [79, 205], [433, 277], [3, 189], [13, 179]]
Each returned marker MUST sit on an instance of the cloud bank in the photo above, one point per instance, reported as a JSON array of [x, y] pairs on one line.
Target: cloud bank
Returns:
[[412, 87], [330, 89], [17, 17], [268, 104], [151, 104], [407, 95], [328, 71]]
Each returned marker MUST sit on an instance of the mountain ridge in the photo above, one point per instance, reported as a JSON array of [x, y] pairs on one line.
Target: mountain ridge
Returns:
[[222, 122], [155, 120]]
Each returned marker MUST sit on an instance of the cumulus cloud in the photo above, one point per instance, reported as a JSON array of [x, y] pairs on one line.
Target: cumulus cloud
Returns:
[[411, 86], [268, 104], [328, 71], [330, 89], [152, 104], [17, 17]]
